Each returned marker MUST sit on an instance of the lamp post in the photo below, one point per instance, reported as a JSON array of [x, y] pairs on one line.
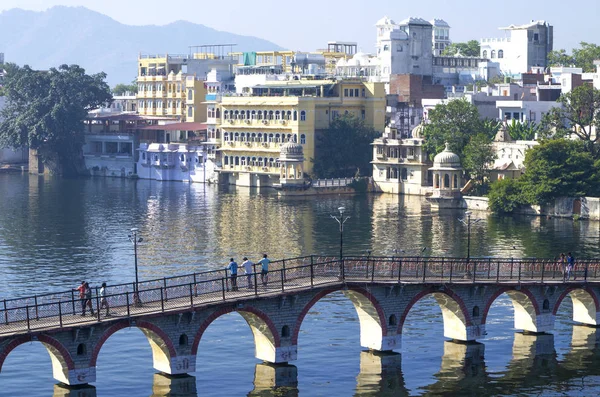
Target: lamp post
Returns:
[[133, 237], [467, 223], [341, 220]]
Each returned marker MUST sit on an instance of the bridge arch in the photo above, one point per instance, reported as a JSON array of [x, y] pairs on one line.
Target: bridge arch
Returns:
[[372, 320], [457, 321], [163, 351], [528, 316], [586, 306], [266, 337], [62, 362]]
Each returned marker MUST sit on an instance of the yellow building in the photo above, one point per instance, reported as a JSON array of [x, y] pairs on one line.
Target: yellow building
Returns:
[[253, 126], [164, 89]]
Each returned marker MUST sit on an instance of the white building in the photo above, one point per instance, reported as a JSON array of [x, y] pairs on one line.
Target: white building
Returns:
[[405, 47], [400, 166], [523, 47], [175, 162], [441, 36], [524, 111]]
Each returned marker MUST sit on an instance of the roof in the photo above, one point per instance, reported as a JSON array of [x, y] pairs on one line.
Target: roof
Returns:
[[439, 23], [526, 26], [176, 127], [414, 21]]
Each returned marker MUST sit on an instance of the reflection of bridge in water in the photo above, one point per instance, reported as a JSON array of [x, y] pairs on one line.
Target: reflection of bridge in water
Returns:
[[173, 313], [533, 367]]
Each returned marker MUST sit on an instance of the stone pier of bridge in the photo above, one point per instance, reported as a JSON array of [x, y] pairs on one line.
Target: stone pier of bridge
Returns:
[[275, 320]]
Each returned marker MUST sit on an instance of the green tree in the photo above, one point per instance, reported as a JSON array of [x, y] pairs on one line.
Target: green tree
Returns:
[[469, 49], [506, 195], [454, 122], [478, 157], [121, 89], [560, 58], [344, 149], [579, 114], [490, 127], [586, 55], [557, 168], [45, 110], [522, 131]]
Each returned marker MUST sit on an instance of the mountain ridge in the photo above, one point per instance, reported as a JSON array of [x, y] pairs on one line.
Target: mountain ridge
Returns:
[[99, 43]]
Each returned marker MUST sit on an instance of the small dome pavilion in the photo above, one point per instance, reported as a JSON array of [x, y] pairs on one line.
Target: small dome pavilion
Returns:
[[291, 157], [447, 173]]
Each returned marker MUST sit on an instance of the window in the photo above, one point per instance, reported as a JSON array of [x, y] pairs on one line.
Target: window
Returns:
[[226, 136], [455, 181], [303, 139], [500, 53], [363, 93], [295, 115], [351, 92], [493, 54], [334, 114], [536, 37], [404, 174], [303, 116], [345, 92], [356, 92], [484, 54], [362, 114], [190, 112], [399, 48]]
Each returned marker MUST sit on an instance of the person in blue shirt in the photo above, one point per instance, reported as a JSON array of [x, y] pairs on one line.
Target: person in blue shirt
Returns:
[[570, 266], [233, 268], [264, 272]]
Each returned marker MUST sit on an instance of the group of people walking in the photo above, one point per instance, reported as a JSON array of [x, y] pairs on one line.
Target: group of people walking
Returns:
[[85, 296], [567, 263], [248, 268]]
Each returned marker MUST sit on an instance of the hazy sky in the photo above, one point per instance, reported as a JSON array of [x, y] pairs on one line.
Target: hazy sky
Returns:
[[309, 24]]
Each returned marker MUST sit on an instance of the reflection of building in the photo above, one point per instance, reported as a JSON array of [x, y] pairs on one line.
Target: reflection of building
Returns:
[[400, 165], [255, 125]]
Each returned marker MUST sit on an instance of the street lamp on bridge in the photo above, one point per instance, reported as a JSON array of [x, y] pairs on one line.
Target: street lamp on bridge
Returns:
[[341, 220], [467, 223], [133, 237]]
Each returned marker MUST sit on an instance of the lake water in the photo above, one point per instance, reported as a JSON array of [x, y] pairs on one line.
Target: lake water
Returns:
[[55, 232]]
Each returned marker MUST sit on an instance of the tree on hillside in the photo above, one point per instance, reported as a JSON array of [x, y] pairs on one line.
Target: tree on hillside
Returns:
[[469, 49], [557, 168], [455, 122], [582, 57], [344, 149], [579, 115], [479, 156], [121, 89], [45, 110]]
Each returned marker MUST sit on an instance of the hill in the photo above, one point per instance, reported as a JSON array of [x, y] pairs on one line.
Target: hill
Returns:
[[99, 43]]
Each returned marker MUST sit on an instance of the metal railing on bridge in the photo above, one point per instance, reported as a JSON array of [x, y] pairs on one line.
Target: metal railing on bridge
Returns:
[[60, 309]]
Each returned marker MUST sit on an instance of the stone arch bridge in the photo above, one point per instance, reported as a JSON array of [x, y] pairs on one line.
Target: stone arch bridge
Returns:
[[174, 312]]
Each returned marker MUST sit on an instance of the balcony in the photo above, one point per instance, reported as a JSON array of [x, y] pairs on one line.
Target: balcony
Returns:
[[261, 123], [212, 97], [257, 146], [256, 169]]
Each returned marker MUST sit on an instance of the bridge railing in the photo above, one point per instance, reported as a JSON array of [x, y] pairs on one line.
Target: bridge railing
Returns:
[[170, 293]]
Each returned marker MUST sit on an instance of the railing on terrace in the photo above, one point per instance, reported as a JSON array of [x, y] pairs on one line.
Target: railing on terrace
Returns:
[[60, 309], [333, 182]]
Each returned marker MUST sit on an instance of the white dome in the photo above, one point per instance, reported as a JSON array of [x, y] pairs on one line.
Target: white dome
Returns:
[[446, 159], [341, 62], [291, 150], [359, 59], [385, 21], [417, 132]]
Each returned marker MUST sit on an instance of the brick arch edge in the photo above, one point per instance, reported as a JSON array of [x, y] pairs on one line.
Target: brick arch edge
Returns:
[[226, 310], [571, 289], [328, 291], [126, 324], [40, 338], [502, 290]]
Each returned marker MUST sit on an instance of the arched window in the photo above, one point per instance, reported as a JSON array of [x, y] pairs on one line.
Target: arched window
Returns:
[[386, 47], [546, 305], [446, 181], [236, 114], [303, 139], [270, 137], [277, 115], [500, 53], [183, 340], [393, 321], [242, 115], [285, 331], [243, 160], [236, 136], [260, 116], [404, 174], [493, 54], [226, 114], [143, 155], [81, 349], [475, 311], [226, 136], [226, 160], [218, 113], [253, 115], [277, 138], [295, 115], [270, 115], [253, 137], [289, 138], [260, 160], [259, 137], [289, 115], [182, 158], [455, 181], [484, 54], [190, 112], [242, 136], [303, 116], [190, 95]]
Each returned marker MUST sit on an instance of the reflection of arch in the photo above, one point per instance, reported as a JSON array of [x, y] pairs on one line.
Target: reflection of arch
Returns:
[[266, 337], [526, 309], [61, 359], [373, 325], [454, 312], [162, 346], [585, 305]]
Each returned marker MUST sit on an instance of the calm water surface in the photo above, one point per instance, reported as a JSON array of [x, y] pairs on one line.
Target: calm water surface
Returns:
[[56, 232]]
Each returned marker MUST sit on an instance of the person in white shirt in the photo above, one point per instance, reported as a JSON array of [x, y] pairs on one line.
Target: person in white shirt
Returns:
[[247, 265], [103, 301]]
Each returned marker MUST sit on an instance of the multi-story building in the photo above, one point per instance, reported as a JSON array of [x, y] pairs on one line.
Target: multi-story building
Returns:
[[441, 36], [254, 125], [401, 165], [524, 47]]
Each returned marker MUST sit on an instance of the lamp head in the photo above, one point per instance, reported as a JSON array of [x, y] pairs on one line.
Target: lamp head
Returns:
[[140, 240], [342, 210], [134, 230]]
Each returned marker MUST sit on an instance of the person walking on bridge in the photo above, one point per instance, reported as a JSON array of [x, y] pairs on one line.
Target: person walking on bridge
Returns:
[[248, 265], [233, 269], [103, 301], [264, 271], [570, 266], [82, 299]]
